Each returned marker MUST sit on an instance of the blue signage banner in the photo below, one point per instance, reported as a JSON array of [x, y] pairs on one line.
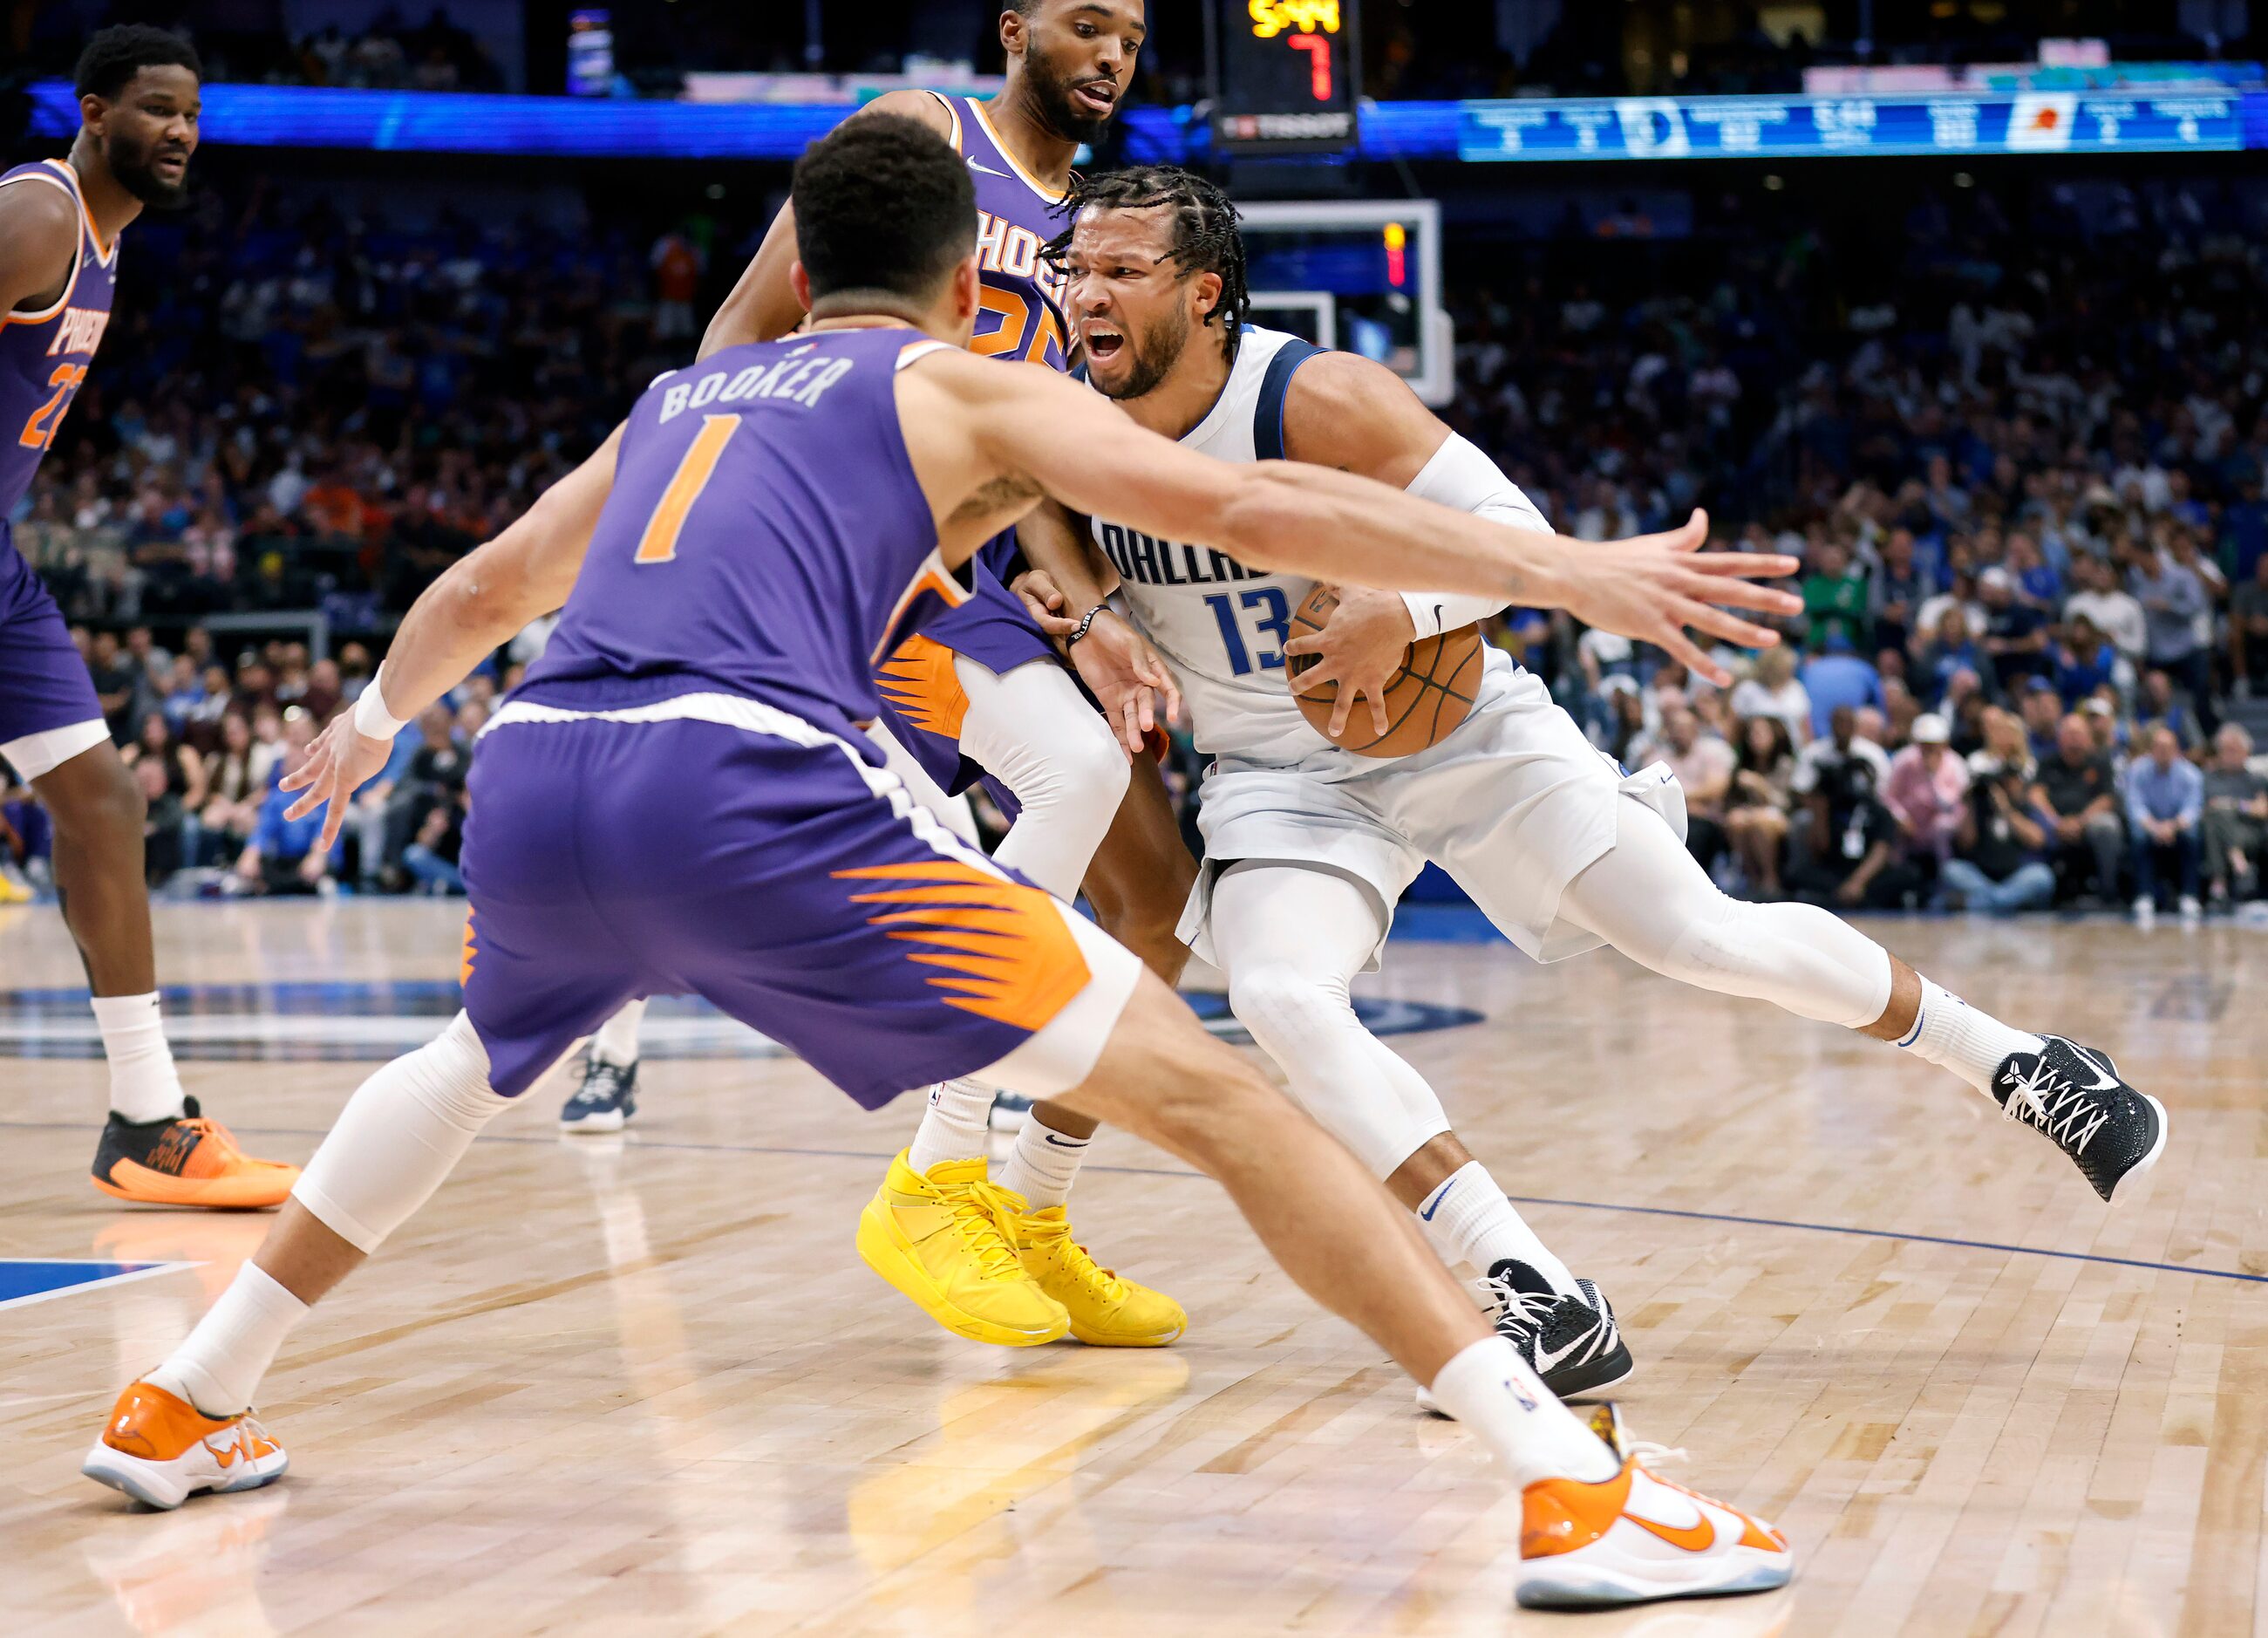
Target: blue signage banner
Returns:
[[1719, 128], [1547, 130]]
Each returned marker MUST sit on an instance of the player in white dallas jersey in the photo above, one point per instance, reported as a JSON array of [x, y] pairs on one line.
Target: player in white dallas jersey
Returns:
[[1309, 846]]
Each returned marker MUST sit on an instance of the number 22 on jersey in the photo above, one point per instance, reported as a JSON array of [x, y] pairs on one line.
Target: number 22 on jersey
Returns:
[[659, 544]]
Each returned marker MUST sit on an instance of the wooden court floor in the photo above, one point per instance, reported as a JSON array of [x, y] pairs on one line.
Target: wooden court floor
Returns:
[[642, 1386]]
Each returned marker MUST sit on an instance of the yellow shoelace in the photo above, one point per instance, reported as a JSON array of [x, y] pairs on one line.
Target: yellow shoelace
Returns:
[[984, 1215], [1076, 1258]]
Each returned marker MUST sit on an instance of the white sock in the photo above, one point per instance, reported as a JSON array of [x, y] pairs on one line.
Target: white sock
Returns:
[[617, 1040], [1043, 1163], [219, 1368], [143, 1084], [1948, 1031], [1469, 1219], [1489, 1389], [956, 1125]]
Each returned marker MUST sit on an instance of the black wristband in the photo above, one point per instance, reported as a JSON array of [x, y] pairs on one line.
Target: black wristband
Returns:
[[1085, 624]]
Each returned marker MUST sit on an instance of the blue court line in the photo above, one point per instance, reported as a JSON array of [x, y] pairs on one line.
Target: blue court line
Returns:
[[1518, 1199]]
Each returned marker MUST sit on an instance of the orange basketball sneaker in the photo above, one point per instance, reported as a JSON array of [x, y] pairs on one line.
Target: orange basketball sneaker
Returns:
[[162, 1450], [1635, 1538], [187, 1161]]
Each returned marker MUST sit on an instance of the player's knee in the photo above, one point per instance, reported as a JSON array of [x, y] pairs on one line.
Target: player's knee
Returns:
[[1084, 769], [1284, 1008], [97, 796], [1712, 948]]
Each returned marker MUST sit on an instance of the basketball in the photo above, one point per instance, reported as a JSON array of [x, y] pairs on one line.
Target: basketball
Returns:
[[1425, 701]]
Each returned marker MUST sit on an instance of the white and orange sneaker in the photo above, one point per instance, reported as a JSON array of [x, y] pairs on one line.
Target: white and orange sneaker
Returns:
[[1634, 1538], [161, 1450]]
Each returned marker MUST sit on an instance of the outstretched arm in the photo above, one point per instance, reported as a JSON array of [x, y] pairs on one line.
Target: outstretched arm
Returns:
[[762, 305], [1039, 433], [473, 609]]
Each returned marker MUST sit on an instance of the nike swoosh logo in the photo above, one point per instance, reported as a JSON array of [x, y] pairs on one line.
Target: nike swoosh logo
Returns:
[[975, 165], [1067, 1143], [1697, 1536], [1434, 1204], [1549, 1359], [2104, 1081]]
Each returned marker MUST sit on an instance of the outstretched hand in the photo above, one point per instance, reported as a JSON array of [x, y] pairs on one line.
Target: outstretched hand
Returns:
[[1129, 678], [340, 760], [1652, 587]]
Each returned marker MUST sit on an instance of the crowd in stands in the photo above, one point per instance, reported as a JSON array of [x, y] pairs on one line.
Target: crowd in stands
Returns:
[[2025, 480], [2028, 496]]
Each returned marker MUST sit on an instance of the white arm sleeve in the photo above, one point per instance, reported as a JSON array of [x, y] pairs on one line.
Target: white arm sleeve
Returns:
[[1460, 475]]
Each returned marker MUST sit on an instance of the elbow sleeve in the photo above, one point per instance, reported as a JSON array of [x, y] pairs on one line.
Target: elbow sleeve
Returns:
[[1460, 475]]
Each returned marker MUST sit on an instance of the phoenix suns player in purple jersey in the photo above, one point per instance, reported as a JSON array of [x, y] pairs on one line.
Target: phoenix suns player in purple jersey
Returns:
[[60, 222], [980, 687], [677, 798]]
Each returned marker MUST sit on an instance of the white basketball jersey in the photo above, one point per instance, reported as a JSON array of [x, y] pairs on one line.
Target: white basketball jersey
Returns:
[[1220, 625]]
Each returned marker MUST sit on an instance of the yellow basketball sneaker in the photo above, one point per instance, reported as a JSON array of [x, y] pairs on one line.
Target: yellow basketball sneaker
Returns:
[[944, 1240], [1634, 1538], [1106, 1311], [162, 1450]]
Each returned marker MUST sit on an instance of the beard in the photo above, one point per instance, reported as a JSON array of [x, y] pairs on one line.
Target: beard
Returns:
[[1052, 92], [1154, 356], [132, 166]]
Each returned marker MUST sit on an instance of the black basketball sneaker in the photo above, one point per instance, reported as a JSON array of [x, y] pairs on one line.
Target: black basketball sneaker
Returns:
[[2074, 1094], [605, 1101], [1571, 1342]]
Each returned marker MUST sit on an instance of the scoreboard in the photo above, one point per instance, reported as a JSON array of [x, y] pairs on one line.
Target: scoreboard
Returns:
[[1286, 75]]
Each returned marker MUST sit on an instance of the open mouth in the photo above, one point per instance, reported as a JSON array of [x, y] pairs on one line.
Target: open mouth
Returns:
[[1103, 343], [171, 165], [1099, 96]]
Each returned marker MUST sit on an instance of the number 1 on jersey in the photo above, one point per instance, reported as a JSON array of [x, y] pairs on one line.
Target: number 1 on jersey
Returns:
[[659, 544]]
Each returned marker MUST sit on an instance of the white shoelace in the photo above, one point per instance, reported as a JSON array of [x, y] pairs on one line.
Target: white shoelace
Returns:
[[2057, 1107], [1505, 1300]]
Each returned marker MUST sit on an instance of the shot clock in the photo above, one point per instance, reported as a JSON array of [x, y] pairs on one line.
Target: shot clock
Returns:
[[1285, 75]]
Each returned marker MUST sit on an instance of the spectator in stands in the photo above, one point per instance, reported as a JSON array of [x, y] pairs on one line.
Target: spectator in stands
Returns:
[[1773, 691], [115, 685], [1951, 649], [1702, 763], [2078, 791], [2084, 661], [2160, 707], [2038, 583], [2113, 612], [2165, 802], [2234, 830], [181, 777], [2016, 631], [2005, 745], [2042, 714], [435, 779], [1899, 591], [1836, 599], [1854, 861], [164, 819], [2248, 632], [1838, 678], [2000, 863], [677, 266], [1926, 793], [282, 856], [2173, 599], [1758, 806], [234, 789]]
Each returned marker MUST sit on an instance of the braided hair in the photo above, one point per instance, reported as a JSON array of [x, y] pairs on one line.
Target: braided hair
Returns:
[[1205, 236]]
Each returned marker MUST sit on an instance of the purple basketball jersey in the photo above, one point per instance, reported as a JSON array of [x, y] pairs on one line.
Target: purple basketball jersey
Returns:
[[44, 355], [765, 537], [1022, 315]]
